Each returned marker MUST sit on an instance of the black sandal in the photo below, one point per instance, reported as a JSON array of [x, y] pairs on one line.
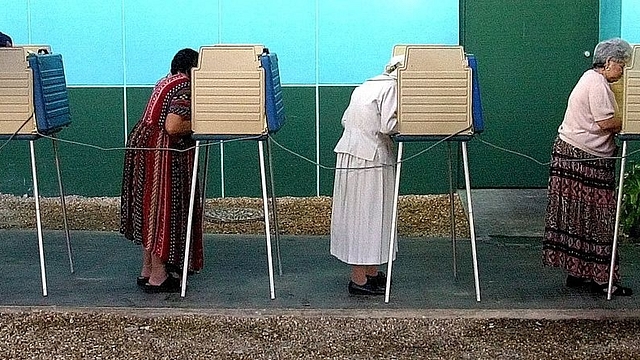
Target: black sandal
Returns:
[[170, 285], [142, 281], [617, 290], [380, 279], [575, 282]]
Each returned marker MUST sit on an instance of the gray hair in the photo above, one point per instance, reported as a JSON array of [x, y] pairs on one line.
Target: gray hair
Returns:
[[392, 66], [616, 49]]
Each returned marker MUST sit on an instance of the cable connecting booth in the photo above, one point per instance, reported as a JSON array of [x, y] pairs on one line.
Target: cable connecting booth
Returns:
[[438, 100], [34, 102], [237, 95]]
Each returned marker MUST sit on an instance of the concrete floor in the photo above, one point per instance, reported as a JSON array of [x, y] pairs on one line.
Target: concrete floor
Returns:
[[508, 225]]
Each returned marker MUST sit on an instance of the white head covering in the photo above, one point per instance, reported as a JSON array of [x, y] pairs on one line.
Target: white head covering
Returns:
[[392, 66]]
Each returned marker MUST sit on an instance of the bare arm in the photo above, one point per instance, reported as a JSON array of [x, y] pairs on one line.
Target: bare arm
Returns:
[[175, 125], [613, 125]]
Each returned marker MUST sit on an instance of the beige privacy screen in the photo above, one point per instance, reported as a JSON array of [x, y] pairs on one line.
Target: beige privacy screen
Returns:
[[16, 93], [434, 90], [627, 92], [227, 91]]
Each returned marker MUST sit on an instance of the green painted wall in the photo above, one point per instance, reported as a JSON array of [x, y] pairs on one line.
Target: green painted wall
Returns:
[[530, 58], [91, 151], [97, 120]]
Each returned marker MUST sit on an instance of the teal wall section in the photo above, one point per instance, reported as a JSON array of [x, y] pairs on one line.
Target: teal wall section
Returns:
[[610, 19], [629, 24], [318, 41]]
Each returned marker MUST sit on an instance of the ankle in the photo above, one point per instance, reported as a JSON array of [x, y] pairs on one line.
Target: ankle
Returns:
[[156, 281]]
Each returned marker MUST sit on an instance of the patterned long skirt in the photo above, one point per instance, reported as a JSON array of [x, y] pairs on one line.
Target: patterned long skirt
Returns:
[[155, 197], [580, 218]]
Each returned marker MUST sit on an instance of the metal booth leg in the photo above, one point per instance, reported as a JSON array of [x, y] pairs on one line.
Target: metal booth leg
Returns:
[[267, 228], [614, 248], [471, 224], [273, 206], [63, 203], [453, 215], [394, 223], [187, 247], [203, 198], [36, 196]]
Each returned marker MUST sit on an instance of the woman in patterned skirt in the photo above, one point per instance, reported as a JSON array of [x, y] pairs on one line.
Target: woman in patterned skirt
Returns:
[[580, 218], [156, 181]]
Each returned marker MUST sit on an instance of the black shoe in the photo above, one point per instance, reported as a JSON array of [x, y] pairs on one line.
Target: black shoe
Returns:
[[369, 288], [616, 289], [170, 285], [574, 281], [142, 281], [380, 279]]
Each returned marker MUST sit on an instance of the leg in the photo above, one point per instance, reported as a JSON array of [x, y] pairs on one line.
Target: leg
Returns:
[[359, 274], [146, 264], [371, 270], [159, 280], [158, 273], [145, 272], [364, 280]]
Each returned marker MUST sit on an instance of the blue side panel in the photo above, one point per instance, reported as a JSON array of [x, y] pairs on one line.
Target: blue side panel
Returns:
[[51, 99], [274, 105], [476, 101]]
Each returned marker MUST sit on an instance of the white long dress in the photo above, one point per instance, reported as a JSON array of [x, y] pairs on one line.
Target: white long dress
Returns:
[[364, 179]]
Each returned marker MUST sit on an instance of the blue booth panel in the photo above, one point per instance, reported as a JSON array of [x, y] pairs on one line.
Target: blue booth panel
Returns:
[[476, 102], [51, 101], [274, 106]]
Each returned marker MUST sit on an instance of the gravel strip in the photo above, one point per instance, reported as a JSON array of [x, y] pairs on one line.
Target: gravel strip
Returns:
[[74, 335], [418, 216]]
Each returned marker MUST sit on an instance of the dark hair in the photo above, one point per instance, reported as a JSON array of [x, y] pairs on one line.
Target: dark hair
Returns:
[[183, 61], [5, 40]]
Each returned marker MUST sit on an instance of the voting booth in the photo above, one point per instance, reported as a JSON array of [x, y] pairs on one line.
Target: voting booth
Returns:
[[236, 91], [34, 103], [627, 94], [434, 87], [33, 92], [438, 100], [236, 95]]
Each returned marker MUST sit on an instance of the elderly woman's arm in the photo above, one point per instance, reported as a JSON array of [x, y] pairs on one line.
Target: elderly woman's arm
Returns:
[[176, 125], [613, 125]]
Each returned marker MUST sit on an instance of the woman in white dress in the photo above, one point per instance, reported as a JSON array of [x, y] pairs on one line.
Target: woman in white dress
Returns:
[[364, 179]]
